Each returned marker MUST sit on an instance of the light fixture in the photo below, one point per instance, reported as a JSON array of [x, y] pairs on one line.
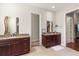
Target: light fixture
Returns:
[[53, 6]]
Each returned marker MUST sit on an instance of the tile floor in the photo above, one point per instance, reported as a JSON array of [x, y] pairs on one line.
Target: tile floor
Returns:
[[41, 51]]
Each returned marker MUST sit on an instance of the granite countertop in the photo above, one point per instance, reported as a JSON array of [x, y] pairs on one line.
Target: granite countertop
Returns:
[[13, 36], [51, 33]]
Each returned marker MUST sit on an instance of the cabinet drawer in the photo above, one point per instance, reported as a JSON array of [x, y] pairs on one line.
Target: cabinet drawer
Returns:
[[2, 42], [5, 50], [15, 41]]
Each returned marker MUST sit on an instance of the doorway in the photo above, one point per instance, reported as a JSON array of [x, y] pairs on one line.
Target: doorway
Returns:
[[72, 27], [35, 29]]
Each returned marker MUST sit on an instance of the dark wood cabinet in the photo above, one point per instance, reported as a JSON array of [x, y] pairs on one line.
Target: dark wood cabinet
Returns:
[[4, 50], [14, 46], [51, 40]]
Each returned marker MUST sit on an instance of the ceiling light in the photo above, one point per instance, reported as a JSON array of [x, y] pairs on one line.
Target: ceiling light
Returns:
[[53, 6]]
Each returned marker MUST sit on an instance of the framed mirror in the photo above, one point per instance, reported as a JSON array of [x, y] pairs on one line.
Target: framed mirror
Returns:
[[49, 26], [11, 25]]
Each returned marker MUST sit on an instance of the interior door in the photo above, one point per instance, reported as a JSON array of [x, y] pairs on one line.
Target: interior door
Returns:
[[34, 27]]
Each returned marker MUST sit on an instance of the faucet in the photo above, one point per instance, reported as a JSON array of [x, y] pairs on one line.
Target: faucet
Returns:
[[13, 34]]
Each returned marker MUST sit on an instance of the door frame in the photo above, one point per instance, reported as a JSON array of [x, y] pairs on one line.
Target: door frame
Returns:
[[66, 24]]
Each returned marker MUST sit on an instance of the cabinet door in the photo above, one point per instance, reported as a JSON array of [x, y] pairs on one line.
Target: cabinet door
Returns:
[[49, 41], [25, 43], [53, 40], [20, 46], [15, 47], [44, 40], [5, 50], [58, 39]]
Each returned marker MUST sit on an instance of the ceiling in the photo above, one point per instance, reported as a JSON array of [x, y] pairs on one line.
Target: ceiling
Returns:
[[47, 6], [58, 6]]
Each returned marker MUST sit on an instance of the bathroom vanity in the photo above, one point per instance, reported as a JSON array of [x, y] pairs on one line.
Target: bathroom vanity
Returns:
[[51, 39], [14, 45]]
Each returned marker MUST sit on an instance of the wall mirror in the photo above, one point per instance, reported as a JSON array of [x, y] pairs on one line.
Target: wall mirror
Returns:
[[49, 26], [11, 25]]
